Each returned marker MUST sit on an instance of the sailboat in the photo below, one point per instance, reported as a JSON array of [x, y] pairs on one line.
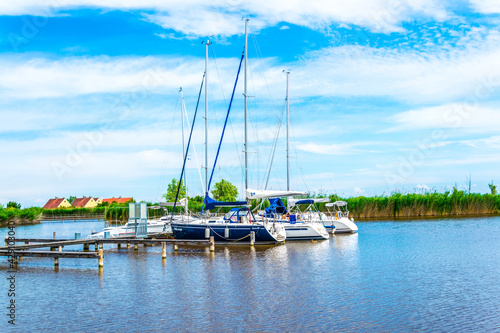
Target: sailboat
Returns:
[[237, 225], [297, 226]]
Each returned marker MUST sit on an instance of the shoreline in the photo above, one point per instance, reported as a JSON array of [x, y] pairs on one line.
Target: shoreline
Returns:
[[422, 217]]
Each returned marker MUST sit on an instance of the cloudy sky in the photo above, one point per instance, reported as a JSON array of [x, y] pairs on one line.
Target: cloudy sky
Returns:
[[385, 95]]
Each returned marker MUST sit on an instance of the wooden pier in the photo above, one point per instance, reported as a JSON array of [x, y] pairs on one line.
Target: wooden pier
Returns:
[[17, 251]]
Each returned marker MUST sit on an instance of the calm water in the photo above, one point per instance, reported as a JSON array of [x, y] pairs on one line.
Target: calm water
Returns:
[[439, 275]]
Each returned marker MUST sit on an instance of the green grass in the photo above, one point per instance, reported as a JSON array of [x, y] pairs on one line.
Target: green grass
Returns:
[[427, 204]]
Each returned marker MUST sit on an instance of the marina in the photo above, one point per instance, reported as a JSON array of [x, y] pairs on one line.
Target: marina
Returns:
[[390, 276]]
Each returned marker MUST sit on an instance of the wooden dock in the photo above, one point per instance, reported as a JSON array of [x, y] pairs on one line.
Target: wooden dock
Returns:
[[17, 251]]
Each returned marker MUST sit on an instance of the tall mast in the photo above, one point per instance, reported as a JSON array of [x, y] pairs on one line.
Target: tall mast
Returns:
[[184, 152], [245, 94], [287, 139], [206, 113]]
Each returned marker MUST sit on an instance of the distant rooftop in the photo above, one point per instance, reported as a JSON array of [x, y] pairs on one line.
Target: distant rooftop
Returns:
[[118, 200]]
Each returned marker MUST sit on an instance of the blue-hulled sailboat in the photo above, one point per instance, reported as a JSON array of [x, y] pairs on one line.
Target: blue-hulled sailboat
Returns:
[[237, 225]]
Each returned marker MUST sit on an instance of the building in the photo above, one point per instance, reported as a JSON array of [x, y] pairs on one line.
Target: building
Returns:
[[118, 200], [98, 200], [57, 203], [85, 202]]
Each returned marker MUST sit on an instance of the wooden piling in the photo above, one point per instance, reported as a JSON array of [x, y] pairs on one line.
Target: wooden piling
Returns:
[[212, 244], [54, 235], [136, 247], [164, 250], [86, 247], [128, 245], [119, 246], [6, 240], [176, 247], [101, 263], [252, 238], [101, 245]]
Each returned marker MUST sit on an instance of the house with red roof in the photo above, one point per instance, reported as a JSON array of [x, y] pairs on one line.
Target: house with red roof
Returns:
[[85, 202], [57, 203], [118, 200]]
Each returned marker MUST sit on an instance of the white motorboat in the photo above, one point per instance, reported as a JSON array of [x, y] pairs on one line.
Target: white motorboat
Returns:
[[128, 229], [338, 221], [302, 226]]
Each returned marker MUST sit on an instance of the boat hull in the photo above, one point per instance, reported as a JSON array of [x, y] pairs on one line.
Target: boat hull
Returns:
[[238, 233], [341, 226], [305, 231]]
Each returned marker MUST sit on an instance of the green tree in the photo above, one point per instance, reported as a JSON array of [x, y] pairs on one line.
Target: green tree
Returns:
[[172, 191], [71, 199], [493, 188], [225, 191], [13, 204]]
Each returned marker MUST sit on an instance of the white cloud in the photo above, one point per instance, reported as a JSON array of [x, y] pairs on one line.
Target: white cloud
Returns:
[[423, 187], [468, 72], [39, 77], [358, 190], [346, 148], [450, 116], [203, 18], [443, 74], [486, 6], [332, 149]]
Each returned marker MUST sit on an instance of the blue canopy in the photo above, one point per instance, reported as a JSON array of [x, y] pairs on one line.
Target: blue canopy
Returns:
[[211, 203], [276, 207], [304, 201]]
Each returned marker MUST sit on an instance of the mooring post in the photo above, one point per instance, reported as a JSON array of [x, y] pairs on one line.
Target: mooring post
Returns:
[[212, 244], [128, 245], [6, 240], [86, 246], [163, 250], [136, 247], [101, 263], [14, 263], [101, 245], [252, 238], [176, 247], [54, 235], [60, 248], [119, 245]]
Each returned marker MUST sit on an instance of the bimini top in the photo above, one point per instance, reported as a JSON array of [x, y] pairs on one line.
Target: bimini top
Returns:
[[336, 203], [294, 202], [263, 194], [211, 203], [276, 207]]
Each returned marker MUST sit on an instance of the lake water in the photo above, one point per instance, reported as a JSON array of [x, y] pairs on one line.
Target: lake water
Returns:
[[432, 275]]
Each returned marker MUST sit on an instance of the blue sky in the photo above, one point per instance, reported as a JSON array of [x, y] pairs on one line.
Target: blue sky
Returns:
[[384, 95]]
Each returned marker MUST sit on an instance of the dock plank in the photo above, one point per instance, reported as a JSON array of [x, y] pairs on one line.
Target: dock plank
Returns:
[[51, 254]]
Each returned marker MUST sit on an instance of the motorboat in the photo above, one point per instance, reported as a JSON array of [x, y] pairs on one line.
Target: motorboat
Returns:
[[298, 226], [338, 221]]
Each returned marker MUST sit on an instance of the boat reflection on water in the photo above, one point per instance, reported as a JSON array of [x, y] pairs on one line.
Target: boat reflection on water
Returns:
[[347, 244]]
